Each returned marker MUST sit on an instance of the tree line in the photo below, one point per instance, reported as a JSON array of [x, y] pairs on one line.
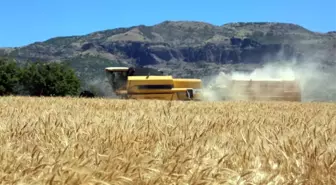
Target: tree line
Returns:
[[37, 79]]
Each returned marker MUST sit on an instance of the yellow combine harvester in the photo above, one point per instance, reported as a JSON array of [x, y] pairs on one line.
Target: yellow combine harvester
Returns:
[[146, 83]]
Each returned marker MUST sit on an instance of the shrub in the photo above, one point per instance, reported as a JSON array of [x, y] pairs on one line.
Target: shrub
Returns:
[[9, 76], [49, 79]]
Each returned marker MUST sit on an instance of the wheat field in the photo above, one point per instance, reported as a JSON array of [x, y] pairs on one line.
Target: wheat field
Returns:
[[104, 141]]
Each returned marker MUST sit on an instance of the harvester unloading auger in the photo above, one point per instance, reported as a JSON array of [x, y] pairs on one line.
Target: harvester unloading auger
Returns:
[[147, 83]]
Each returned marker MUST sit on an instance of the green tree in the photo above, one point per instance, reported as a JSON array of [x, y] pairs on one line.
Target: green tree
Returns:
[[50, 79], [9, 76]]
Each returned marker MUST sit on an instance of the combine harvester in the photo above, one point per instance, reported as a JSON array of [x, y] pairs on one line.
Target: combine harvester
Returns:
[[147, 83]]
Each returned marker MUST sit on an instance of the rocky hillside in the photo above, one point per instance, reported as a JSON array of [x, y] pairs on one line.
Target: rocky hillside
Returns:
[[184, 48], [191, 42]]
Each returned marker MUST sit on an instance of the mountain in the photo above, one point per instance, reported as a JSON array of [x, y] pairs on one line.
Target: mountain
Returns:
[[184, 48]]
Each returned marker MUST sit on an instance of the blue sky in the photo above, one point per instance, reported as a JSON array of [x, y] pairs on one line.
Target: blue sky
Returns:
[[27, 21]]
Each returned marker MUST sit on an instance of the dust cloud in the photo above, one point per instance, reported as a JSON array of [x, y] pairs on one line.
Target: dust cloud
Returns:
[[101, 88], [315, 80], [315, 83]]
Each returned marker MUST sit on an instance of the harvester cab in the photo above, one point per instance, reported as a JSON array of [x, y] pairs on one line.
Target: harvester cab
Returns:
[[148, 83], [117, 77]]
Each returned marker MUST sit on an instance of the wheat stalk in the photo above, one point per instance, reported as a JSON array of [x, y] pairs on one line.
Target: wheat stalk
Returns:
[[103, 141]]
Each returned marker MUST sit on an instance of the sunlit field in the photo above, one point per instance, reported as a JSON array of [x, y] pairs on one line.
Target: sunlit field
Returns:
[[104, 141]]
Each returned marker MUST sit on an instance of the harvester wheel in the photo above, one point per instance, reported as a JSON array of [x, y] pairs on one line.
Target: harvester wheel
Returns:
[[86, 94], [189, 94], [123, 97]]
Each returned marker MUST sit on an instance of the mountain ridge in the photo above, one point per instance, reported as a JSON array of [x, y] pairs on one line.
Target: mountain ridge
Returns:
[[182, 22], [172, 34]]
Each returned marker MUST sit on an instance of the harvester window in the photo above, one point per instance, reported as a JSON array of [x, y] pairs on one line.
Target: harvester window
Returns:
[[117, 79], [142, 87]]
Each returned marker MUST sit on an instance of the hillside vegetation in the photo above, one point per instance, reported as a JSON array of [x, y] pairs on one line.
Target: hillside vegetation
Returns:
[[101, 141]]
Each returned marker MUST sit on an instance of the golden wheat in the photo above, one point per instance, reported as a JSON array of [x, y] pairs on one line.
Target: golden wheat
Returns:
[[103, 141]]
